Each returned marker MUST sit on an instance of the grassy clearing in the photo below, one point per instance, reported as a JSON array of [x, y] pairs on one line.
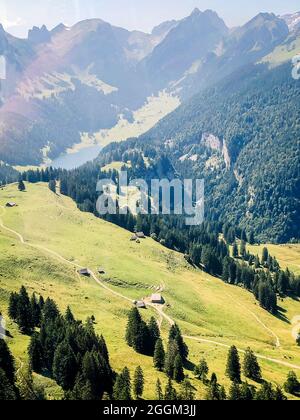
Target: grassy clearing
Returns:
[[156, 108], [202, 305], [283, 53], [288, 255]]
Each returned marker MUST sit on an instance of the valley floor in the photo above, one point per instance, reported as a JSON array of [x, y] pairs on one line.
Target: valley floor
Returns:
[[46, 239]]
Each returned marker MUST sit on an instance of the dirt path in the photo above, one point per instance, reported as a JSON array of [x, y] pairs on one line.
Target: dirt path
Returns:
[[296, 327], [277, 340], [158, 309], [269, 359]]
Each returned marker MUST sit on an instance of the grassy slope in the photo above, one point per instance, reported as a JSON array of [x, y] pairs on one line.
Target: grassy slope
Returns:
[[284, 52], [202, 305], [287, 255]]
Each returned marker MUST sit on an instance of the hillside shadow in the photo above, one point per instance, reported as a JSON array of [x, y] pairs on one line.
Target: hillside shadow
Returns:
[[190, 366], [281, 315]]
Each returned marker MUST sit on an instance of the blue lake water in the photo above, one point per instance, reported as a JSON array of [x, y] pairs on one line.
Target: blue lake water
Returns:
[[74, 160]]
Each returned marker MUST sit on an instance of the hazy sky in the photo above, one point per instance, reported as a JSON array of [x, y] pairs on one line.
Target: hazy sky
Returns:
[[19, 15]]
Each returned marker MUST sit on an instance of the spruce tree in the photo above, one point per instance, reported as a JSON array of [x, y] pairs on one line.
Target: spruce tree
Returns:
[[159, 355], [233, 369], [215, 392], [138, 383], [279, 395], [265, 255], [35, 353], [234, 392], [143, 343], [251, 238], [170, 357], [7, 390], [175, 334], [154, 334], [127, 382], [96, 370], [103, 349], [225, 270], [21, 186], [251, 367], [246, 392], [201, 371], [292, 385], [243, 249], [27, 389], [235, 250], [13, 306], [50, 311], [69, 317], [170, 392], [52, 185], [122, 387], [178, 373], [24, 315], [133, 327], [7, 363], [82, 390], [36, 311], [187, 391], [65, 366], [265, 393], [158, 391]]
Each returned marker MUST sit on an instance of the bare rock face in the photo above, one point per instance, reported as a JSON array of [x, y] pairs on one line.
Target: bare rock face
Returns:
[[39, 35]]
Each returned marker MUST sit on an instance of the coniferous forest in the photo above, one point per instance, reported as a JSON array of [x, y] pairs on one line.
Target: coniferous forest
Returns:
[[136, 304], [71, 353]]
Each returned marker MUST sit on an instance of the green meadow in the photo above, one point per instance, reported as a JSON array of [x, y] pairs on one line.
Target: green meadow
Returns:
[[58, 238]]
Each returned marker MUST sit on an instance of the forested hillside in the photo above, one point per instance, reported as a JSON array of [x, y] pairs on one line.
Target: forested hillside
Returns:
[[69, 84], [242, 136], [7, 174]]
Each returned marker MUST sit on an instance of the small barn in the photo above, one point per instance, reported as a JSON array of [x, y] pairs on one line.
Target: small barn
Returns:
[[157, 298], [140, 304], [101, 271], [84, 272], [133, 238], [140, 235], [10, 205]]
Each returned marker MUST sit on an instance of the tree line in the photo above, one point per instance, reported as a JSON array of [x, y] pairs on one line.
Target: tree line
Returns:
[[202, 245]]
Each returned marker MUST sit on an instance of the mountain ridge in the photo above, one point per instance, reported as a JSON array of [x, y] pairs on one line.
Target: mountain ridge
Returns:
[[88, 77]]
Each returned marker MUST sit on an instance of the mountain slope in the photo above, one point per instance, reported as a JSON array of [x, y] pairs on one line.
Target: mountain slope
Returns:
[[71, 84], [242, 136], [69, 81], [190, 40], [198, 302], [243, 46]]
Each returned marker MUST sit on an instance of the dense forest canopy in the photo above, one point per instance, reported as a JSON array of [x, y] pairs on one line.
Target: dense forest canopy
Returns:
[[242, 137]]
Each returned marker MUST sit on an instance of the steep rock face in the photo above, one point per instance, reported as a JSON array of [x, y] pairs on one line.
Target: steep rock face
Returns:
[[164, 28], [190, 40], [82, 79], [241, 47], [39, 35], [242, 137], [293, 21]]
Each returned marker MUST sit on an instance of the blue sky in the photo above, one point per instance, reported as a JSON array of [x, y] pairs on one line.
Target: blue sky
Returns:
[[19, 15]]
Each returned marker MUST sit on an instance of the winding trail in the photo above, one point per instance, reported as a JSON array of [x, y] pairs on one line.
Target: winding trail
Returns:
[[157, 308], [296, 327], [277, 340]]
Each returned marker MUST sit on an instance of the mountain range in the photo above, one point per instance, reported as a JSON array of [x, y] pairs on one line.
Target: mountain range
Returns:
[[68, 81]]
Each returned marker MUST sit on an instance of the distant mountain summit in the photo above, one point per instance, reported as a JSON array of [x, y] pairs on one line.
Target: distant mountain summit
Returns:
[[242, 46], [190, 40], [70, 82], [39, 35], [293, 21]]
